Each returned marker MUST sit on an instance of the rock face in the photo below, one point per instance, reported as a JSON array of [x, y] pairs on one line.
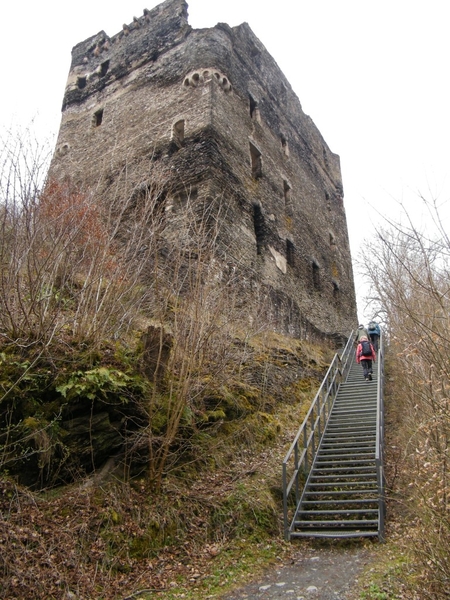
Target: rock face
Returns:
[[214, 107]]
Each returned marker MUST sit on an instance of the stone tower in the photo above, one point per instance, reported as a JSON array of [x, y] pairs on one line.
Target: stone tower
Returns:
[[214, 106]]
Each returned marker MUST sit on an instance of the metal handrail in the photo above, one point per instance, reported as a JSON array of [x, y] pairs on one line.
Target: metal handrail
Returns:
[[379, 448], [306, 443]]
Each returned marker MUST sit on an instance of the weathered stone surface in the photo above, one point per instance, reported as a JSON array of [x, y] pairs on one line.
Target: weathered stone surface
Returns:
[[214, 106]]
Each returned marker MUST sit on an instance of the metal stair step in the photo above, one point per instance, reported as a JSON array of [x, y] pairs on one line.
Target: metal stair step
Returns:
[[347, 451], [344, 441], [346, 458], [366, 421], [341, 534], [345, 522], [348, 424], [348, 470], [353, 407], [354, 482], [337, 513], [349, 438], [340, 451], [349, 429], [327, 475], [369, 419], [368, 466], [350, 463], [342, 457], [349, 442], [342, 501], [342, 492], [352, 388], [346, 414], [356, 428], [349, 415]]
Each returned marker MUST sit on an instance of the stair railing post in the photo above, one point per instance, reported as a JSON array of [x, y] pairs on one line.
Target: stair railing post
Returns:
[[285, 504], [332, 396], [319, 419], [305, 445], [379, 457]]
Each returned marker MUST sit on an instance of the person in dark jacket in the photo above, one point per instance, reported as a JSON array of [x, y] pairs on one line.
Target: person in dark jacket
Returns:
[[360, 332], [374, 334], [364, 359]]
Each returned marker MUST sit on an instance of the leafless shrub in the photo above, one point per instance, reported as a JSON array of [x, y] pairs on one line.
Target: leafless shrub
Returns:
[[77, 268], [69, 264], [195, 304], [410, 273]]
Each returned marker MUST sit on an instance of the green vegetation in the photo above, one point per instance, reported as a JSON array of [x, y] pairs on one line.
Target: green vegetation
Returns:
[[144, 418]]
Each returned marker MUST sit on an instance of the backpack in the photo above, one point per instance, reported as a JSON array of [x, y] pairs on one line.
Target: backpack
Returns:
[[372, 326], [366, 348]]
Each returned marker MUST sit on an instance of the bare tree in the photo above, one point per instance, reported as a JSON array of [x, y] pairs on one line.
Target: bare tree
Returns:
[[69, 267], [196, 326], [79, 269], [409, 272]]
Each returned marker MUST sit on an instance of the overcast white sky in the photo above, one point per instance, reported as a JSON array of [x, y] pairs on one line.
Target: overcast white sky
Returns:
[[373, 76]]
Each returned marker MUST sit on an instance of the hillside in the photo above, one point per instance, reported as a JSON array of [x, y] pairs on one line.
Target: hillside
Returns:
[[104, 535]]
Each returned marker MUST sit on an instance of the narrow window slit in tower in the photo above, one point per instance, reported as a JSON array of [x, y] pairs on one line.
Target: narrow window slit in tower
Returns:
[[332, 242], [336, 292], [285, 145], [258, 224], [104, 68], [255, 113], [256, 161], [97, 118], [290, 253], [253, 105], [178, 132], [287, 196]]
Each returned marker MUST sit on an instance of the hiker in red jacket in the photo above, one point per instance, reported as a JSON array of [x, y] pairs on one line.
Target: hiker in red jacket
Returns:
[[365, 354]]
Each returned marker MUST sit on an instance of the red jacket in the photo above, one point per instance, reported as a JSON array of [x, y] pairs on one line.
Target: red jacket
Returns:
[[359, 357]]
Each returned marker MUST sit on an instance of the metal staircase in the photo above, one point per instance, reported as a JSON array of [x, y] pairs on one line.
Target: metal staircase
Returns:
[[336, 457]]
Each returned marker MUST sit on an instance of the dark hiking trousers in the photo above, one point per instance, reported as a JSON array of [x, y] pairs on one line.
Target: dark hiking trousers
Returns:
[[367, 367]]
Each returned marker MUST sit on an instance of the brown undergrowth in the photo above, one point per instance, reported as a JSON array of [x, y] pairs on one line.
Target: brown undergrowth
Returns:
[[92, 540], [106, 541]]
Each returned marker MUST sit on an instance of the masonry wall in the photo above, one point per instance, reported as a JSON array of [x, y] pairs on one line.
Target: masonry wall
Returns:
[[213, 105]]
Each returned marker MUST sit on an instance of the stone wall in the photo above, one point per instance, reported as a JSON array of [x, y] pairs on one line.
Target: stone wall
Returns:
[[214, 107]]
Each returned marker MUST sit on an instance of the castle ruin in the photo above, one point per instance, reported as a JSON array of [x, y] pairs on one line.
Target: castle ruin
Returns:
[[213, 106]]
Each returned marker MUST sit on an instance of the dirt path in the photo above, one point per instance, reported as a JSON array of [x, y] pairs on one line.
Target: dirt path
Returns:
[[313, 573]]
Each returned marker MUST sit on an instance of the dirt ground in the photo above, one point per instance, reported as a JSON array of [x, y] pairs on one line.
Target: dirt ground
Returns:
[[312, 573]]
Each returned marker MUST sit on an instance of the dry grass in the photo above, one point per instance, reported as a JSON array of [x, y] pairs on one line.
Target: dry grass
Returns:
[[410, 272], [107, 542]]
